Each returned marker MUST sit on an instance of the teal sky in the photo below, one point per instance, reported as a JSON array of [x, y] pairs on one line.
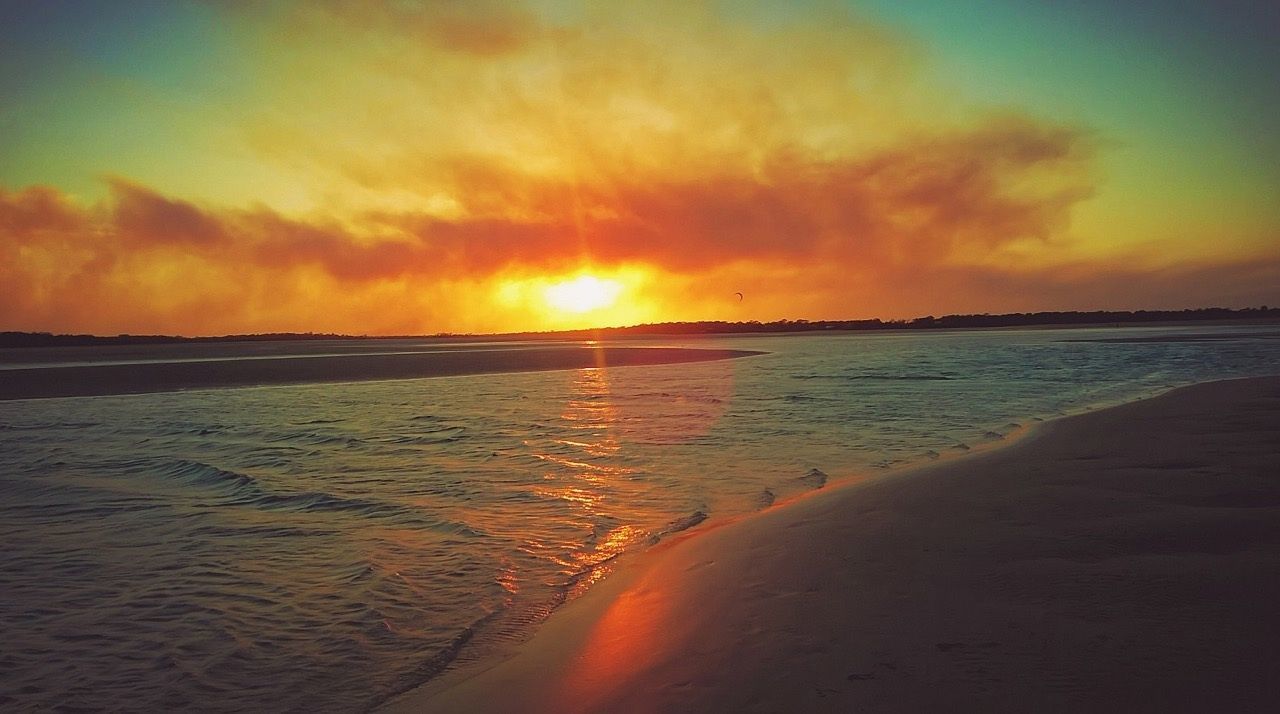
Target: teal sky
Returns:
[[87, 83]]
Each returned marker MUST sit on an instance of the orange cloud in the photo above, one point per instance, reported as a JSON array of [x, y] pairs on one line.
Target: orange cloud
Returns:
[[930, 202], [37, 211], [145, 217], [925, 203], [803, 236]]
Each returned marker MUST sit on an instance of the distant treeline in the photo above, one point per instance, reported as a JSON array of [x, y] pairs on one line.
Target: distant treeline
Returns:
[[929, 322]]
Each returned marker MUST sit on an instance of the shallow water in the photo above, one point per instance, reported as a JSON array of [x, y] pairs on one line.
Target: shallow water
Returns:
[[322, 547]]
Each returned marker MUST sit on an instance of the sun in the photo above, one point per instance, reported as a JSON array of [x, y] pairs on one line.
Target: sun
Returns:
[[582, 294]]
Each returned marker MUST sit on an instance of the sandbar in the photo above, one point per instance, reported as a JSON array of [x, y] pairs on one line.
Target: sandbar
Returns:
[[135, 377]]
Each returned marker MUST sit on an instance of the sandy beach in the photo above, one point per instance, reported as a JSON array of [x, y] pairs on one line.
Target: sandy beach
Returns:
[[1126, 559]]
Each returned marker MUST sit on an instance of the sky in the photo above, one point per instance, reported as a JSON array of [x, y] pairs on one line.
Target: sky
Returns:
[[411, 168]]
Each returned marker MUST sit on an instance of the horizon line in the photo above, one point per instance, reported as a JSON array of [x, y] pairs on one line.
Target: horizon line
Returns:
[[711, 327]]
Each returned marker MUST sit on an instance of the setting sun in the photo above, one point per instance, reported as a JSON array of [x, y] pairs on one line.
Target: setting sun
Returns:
[[582, 294]]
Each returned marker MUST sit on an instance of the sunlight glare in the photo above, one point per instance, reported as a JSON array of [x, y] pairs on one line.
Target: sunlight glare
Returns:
[[582, 294]]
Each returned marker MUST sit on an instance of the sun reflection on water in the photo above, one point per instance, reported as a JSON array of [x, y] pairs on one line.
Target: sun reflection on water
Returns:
[[590, 473]]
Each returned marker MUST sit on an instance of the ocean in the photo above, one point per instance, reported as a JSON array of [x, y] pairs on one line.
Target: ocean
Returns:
[[325, 546]]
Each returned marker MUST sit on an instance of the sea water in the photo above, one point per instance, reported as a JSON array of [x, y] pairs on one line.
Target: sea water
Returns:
[[323, 547]]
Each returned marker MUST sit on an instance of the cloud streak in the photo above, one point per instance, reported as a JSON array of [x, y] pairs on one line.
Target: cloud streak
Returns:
[[926, 203]]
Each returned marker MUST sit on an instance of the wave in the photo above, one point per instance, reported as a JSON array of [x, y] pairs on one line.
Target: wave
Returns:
[[813, 478], [879, 376], [194, 473], [437, 662], [809, 398], [41, 426], [764, 499], [314, 438], [445, 435], [682, 396], [242, 490], [683, 523]]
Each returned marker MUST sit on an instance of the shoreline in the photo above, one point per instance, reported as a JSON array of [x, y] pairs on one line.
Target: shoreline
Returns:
[[623, 568], [705, 620], [44, 340]]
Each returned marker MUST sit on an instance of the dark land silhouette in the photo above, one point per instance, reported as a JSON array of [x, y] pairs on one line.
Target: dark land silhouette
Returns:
[[706, 327]]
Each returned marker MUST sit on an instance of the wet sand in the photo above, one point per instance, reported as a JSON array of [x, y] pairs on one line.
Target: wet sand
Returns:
[[1122, 560], [136, 377]]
